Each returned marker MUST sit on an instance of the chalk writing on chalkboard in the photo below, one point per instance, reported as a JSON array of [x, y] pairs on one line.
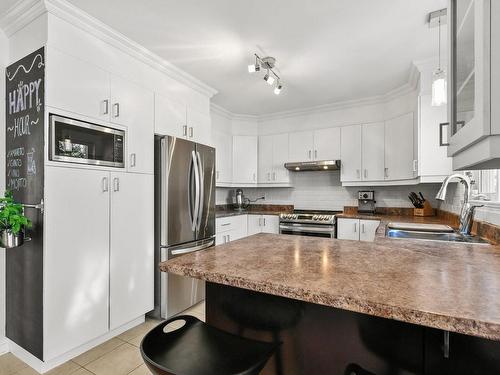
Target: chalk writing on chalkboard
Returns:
[[24, 101]]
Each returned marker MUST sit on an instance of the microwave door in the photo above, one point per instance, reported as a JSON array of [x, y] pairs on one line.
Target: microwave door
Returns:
[[206, 217], [180, 183]]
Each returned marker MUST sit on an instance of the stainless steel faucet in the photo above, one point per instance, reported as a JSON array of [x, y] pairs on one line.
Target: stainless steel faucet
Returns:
[[467, 211]]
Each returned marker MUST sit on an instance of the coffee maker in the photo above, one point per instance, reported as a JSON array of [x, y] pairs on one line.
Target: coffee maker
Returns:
[[366, 202]]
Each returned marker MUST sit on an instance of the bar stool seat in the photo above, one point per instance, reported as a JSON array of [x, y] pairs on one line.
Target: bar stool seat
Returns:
[[197, 348]]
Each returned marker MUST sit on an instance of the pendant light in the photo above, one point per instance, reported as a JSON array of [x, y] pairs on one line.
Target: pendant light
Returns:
[[439, 86]]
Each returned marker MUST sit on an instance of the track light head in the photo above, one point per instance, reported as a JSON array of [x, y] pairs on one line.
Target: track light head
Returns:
[[269, 78], [278, 88], [253, 68]]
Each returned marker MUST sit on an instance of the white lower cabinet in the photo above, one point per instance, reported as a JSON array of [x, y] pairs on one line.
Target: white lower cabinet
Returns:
[[76, 258], [132, 247], [98, 254], [368, 229], [356, 229], [263, 224], [230, 228]]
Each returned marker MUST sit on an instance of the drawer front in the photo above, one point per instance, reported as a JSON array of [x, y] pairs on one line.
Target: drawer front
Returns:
[[225, 224]]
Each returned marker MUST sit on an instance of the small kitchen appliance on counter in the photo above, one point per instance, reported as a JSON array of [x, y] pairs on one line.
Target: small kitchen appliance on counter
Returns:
[[241, 203], [366, 202]]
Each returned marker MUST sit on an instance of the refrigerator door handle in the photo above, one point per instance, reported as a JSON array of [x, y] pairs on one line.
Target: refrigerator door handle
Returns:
[[190, 198], [197, 191], [180, 250], [201, 191]]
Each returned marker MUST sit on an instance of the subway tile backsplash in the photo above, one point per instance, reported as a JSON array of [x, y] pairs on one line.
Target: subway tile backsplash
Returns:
[[323, 190]]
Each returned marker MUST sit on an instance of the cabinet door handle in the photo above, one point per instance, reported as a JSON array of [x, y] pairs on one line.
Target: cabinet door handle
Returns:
[[415, 165], [132, 160], [268, 176], [225, 224], [228, 238], [185, 130], [264, 221], [191, 131], [309, 154], [116, 184], [358, 176], [217, 174], [260, 222], [363, 228], [105, 186], [254, 176], [315, 154], [366, 173], [105, 107], [274, 176], [355, 227], [386, 172], [116, 110]]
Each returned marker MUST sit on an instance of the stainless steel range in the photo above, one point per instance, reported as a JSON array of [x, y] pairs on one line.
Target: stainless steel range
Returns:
[[309, 223]]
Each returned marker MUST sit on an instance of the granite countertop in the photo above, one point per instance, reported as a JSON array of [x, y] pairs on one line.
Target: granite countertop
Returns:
[[449, 286]]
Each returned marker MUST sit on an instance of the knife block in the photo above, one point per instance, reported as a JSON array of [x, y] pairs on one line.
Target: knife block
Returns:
[[426, 211]]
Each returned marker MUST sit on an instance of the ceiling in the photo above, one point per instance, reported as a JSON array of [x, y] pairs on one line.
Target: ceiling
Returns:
[[327, 50]]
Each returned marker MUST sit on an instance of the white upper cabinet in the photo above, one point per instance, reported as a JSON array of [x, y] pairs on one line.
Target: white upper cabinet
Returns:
[[265, 159], [223, 158], [176, 119], [474, 84], [400, 163], [350, 153], [433, 163], [327, 144], [133, 107], [273, 154], [170, 117], [245, 159], [199, 127], [373, 148], [322, 144], [301, 145], [85, 92], [280, 157]]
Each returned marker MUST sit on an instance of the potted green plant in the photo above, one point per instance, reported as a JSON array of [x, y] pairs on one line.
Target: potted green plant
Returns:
[[12, 222]]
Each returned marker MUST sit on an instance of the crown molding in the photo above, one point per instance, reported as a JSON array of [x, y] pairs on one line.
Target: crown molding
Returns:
[[410, 86], [25, 11], [21, 14]]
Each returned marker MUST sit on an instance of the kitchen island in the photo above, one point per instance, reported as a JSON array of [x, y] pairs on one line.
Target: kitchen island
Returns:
[[389, 306]]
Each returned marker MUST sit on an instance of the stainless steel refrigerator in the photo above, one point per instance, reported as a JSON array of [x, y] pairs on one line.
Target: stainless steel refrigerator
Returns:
[[184, 217]]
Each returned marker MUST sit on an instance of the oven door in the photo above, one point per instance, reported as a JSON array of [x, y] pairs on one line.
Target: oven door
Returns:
[[311, 230]]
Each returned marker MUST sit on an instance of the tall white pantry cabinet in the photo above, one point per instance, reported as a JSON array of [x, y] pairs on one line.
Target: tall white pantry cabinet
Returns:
[[98, 236]]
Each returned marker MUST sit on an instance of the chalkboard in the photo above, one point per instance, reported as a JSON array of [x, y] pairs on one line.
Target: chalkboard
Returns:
[[25, 121]]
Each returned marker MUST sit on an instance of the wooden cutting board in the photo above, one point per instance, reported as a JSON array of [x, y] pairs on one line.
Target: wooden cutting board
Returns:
[[420, 227]]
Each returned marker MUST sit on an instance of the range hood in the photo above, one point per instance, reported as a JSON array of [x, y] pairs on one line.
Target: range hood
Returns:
[[320, 165]]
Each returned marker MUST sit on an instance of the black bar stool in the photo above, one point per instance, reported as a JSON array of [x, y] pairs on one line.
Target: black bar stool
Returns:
[[196, 348]]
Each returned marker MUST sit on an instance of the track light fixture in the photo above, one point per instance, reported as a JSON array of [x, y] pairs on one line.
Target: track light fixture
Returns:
[[267, 63]]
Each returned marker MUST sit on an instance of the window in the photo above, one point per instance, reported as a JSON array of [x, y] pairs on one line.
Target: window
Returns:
[[486, 185]]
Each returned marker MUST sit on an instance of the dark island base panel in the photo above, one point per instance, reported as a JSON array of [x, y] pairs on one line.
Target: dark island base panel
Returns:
[[24, 176], [323, 340]]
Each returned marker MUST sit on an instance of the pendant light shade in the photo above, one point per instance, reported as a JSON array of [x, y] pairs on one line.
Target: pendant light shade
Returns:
[[439, 88]]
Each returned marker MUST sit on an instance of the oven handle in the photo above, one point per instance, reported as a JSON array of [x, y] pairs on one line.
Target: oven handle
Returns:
[[307, 229]]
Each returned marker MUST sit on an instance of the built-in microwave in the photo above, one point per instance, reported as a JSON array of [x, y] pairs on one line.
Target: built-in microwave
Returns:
[[75, 141]]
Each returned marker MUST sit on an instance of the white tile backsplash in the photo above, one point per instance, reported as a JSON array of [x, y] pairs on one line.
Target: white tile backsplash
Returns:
[[323, 190]]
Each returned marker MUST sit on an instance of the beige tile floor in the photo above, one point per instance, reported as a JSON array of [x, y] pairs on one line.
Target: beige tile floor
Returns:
[[117, 356]]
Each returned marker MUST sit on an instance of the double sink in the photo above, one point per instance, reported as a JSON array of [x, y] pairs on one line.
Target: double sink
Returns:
[[429, 232]]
